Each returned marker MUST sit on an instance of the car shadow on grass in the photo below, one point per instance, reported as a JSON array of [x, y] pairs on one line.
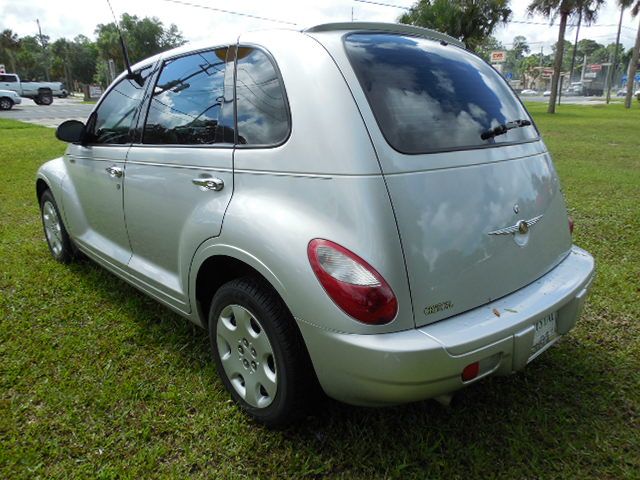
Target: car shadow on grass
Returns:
[[560, 415]]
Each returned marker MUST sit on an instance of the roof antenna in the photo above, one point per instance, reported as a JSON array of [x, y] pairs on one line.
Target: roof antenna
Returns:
[[130, 75]]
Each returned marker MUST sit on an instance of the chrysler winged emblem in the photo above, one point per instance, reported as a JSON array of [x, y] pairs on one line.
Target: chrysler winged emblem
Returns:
[[521, 227]]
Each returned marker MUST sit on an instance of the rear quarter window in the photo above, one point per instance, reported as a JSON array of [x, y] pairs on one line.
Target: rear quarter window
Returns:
[[429, 97]]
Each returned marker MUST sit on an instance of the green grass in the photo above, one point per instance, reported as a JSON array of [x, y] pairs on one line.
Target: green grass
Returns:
[[97, 381]]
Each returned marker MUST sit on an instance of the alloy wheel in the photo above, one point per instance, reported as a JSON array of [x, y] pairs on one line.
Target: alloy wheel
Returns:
[[52, 227]]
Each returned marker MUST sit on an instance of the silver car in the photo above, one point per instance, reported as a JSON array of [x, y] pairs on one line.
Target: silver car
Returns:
[[367, 208]]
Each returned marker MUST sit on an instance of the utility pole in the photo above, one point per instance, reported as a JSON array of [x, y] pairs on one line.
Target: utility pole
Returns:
[[44, 51], [614, 67], [575, 49]]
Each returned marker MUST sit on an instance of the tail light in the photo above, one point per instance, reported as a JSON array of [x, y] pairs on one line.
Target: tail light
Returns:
[[352, 283], [570, 224], [470, 371]]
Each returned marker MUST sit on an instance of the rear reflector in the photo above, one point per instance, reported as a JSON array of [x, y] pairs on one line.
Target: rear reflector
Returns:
[[354, 285], [470, 371]]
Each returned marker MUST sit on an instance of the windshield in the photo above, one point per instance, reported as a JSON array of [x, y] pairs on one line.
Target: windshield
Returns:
[[428, 97]]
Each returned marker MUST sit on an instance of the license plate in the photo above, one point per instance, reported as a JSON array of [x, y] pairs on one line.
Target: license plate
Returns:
[[545, 331]]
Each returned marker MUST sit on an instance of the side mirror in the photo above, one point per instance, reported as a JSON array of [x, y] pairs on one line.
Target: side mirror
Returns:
[[71, 131]]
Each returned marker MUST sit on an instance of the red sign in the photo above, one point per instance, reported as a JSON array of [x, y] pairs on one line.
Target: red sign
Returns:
[[596, 68], [498, 57]]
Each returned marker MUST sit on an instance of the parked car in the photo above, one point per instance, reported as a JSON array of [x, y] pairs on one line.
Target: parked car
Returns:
[[528, 91], [386, 222], [9, 98], [40, 92], [547, 93]]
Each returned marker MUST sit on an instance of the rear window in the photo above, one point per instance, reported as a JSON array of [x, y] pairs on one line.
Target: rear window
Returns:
[[430, 97]]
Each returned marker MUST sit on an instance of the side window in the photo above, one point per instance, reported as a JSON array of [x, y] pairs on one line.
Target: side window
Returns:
[[112, 122], [186, 105], [8, 78], [263, 117]]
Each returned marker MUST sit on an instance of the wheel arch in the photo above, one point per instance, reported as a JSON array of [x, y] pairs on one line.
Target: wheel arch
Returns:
[[215, 265], [41, 187]]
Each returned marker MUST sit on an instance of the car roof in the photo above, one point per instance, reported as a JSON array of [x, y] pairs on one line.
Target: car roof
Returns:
[[338, 27]]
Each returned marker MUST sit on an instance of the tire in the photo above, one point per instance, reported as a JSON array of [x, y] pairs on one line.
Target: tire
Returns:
[[58, 240], [259, 352], [6, 103], [37, 101], [45, 98]]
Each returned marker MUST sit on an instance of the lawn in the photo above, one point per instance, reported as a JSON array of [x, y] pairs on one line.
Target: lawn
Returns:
[[98, 381]]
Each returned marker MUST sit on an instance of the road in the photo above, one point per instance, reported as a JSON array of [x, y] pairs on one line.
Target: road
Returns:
[[568, 99], [50, 116]]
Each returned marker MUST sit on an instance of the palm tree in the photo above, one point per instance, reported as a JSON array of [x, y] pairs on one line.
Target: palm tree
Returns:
[[566, 9], [631, 74]]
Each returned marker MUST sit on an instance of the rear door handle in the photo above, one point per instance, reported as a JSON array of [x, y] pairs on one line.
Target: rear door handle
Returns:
[[114, 172], [209, 183]]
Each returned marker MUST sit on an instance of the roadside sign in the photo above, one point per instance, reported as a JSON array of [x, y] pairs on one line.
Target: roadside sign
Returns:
[[508, 75], [95, 91], [596, 68], [498, 56], [547, 73]]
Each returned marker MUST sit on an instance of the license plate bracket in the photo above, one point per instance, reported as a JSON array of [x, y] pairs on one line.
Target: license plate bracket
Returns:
[[545, 334]]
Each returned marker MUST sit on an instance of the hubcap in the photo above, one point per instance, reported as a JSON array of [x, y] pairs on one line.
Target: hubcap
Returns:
[[52, 227], [247, 356], [5, 104]]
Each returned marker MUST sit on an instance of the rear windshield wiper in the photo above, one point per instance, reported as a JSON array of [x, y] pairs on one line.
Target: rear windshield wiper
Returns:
[[503, 128]]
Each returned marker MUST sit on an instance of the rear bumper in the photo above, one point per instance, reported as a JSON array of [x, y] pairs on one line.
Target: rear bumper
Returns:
[[422, 363]]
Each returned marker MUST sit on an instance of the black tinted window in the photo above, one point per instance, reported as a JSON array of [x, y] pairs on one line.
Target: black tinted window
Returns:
[[428, 97], [114, 118], [8, 78], [263, 118], [187, 101]]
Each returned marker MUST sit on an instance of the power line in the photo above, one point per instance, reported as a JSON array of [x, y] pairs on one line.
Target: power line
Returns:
[[525, 22], [230, 12], [401, 7]]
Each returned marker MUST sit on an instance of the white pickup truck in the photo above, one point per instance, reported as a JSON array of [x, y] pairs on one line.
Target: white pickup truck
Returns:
[[40, 92]]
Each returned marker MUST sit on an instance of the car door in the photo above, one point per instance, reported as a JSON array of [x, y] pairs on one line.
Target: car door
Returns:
[[180, 175], [93, 196]]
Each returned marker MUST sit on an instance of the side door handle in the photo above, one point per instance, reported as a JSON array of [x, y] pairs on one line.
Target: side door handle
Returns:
[[114, 172], [208, 183]]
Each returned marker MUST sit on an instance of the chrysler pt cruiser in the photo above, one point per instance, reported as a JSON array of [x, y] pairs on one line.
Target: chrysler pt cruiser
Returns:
[[363, 207]]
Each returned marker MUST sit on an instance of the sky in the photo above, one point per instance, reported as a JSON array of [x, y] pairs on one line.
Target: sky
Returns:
[[72, 17]]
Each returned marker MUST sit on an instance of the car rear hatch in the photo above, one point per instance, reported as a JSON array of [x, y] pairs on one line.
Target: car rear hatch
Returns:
[[478, 217]]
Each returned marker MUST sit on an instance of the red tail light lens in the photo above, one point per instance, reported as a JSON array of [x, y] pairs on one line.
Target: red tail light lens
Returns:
[[352, 283], [571, 225]]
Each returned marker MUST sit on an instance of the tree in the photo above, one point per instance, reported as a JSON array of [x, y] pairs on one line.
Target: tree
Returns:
[[29, 59], [515, 55], [144, 38], [565, 9], [9, 46], [472, 21], [633, 66]]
